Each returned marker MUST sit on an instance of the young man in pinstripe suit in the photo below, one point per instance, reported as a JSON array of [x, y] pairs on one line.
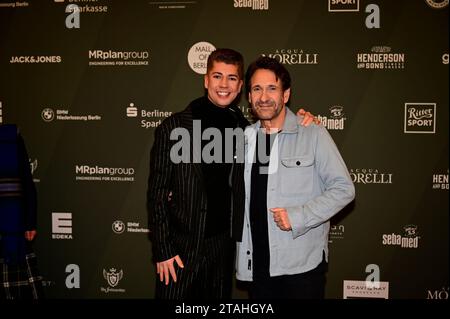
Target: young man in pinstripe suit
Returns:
[[189, 202]]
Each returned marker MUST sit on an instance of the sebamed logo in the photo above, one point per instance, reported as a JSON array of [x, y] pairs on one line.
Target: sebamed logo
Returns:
[[118, 227], [62, 225], [409, 238], [420, 118], [88, 6], [336, 119], [148, 118], [112, 277], [252, 4], [48, 115], [440, 181], [438, 293], [294, 56], [118, 58], [336, 232], [380, 57], [104, 174], [198, 56], [436, 4], [16, 4], [343, 5], [370, 176], [31, 59]]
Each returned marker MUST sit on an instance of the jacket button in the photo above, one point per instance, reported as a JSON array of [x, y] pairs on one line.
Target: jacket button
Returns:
[[248, 252], [298, 163]]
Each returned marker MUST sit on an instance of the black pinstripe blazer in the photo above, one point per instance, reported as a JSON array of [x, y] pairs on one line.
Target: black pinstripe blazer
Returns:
[[177, 225]]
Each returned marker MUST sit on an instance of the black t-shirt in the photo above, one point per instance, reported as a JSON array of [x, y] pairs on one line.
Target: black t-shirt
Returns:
[[258, 206]]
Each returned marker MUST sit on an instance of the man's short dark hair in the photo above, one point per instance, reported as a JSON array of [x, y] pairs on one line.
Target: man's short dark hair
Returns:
[[271, 64], [228, 56]]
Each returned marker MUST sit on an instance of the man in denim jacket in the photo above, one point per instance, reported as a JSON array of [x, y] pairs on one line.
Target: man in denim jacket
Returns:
[[295, 181]]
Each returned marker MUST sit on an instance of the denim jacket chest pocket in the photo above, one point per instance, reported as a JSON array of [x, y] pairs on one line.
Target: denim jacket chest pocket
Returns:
[[296, 175]]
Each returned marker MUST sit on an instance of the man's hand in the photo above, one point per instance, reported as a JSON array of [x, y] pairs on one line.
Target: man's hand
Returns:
[[281, 218], [165, 269], [308, 118]]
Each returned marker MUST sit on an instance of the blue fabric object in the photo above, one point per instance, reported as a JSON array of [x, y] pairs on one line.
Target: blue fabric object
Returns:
[[17, 196]]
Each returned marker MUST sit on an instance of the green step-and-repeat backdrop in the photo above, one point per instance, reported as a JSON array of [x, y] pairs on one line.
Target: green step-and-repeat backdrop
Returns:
[[87, 82]]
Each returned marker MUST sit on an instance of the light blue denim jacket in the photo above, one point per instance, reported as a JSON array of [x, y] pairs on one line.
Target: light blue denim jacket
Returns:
[[307, 177]]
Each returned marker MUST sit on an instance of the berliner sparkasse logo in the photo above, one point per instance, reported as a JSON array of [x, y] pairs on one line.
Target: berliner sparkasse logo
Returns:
[[420, 118]]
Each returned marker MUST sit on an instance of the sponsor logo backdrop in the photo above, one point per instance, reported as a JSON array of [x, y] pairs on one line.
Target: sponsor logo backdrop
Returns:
[[88, 91]]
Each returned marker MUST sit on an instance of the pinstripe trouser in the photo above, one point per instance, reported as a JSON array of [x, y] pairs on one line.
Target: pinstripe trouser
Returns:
[[210, 277]]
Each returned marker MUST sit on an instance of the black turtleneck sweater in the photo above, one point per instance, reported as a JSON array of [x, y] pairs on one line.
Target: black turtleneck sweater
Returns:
[[216, 174]]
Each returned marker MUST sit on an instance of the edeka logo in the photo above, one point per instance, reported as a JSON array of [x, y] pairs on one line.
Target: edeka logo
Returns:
[[293, 56], [252, 4], [198, 56], [104, 174], [380, 57], [336, 119], [113, 278], [118, 58], [420, 118], [62, 226], [370, 176], [148, 118], [409, 239], [440, 181], [343, 5]]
